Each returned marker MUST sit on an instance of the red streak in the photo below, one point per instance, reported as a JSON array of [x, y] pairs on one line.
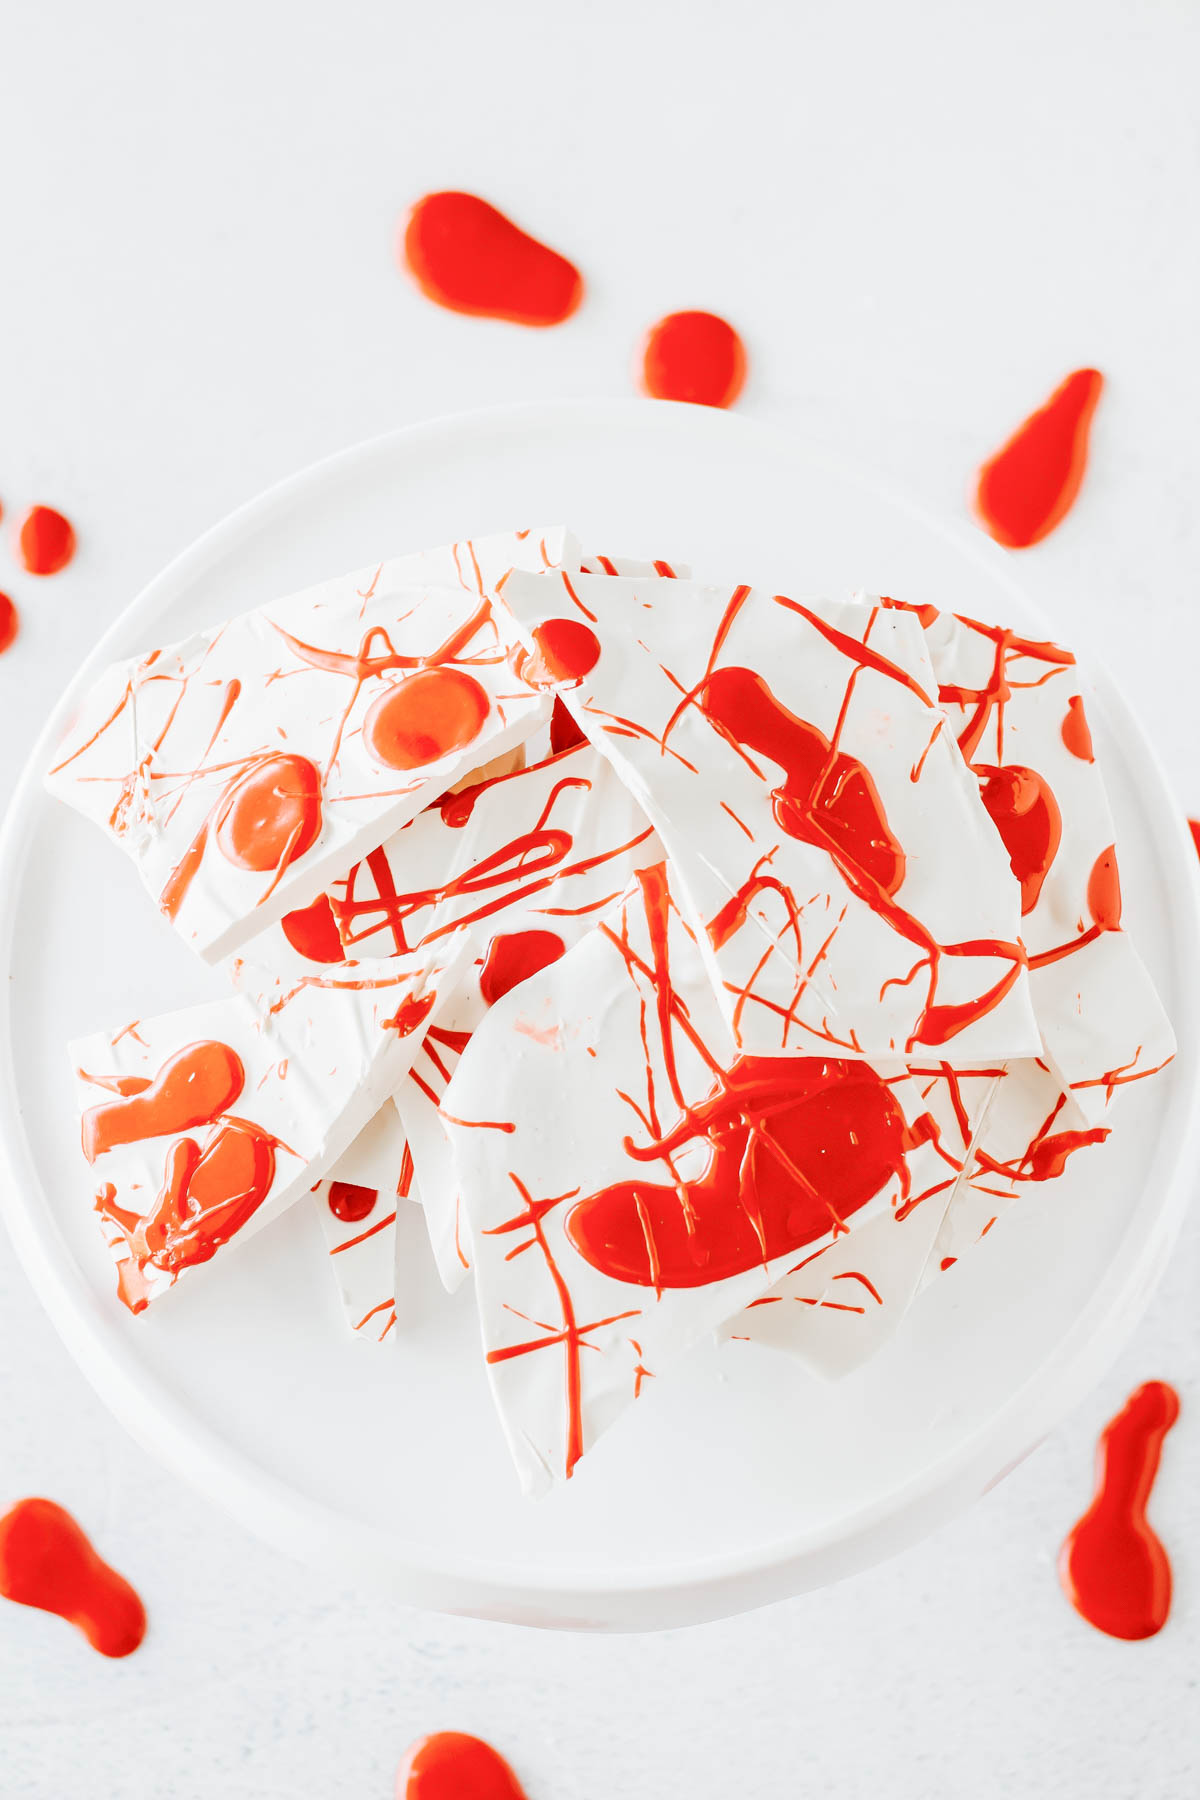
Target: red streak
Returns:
[[1076, 733], [45, 541], [1029, 486], [1113, 1568], [466, 255], [350, 1203], [693, 356], [192, 1088], [1194, 828], [452, 1766], [46, 1561], [10, 623], [513, 956]]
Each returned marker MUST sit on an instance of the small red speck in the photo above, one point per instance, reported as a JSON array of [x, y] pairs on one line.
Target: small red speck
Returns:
[[1194, 828], [948, 1262], [45, 541], [10, 623]]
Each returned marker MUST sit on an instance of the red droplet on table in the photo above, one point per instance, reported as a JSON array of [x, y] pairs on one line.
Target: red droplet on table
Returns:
[[351, 1203], [1113, 1568], [46, 1561], [449, 1765], [312, 932], [466, 255], [10, 623], [513, 956], [424, 717], [45, 541], [694, 356], [1029, 486]]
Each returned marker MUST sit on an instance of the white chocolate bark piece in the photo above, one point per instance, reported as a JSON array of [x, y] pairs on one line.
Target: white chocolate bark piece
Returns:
[[201, 1126], [246, 766], [1017, 707], [522, 863], [836, 1310], [632, 1181], [356, 1205], [845, 881]]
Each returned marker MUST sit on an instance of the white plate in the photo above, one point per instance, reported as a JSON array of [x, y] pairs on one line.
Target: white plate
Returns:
[[740, 1479]]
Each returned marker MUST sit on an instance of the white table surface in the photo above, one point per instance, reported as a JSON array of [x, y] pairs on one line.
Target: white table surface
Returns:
[[920, 217]]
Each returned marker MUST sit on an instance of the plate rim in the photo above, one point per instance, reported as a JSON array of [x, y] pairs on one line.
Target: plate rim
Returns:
[[620, 1599]]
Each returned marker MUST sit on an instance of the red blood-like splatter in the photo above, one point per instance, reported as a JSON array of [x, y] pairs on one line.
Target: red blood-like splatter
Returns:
[[1025, 813], [465, 255], [45, 541], [312, 932], [1029, 486], [513, 956], [1076, 733], [1194, 828], [1113, 1568], [425, 717], [694, 356], [351, 1203], [270, 815], [46, 1561], [796, 1145], [452, 1766], [192, 1088], [10, 623], [206, 1197]]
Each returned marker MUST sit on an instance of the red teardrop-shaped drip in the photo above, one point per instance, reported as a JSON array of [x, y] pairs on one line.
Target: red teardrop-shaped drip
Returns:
[[1030, 485], [1025, 813], [1113, 1568], [1076, 732], [465, 255], [694, 356], [452, 1766], [46, 1561], [45, 541]]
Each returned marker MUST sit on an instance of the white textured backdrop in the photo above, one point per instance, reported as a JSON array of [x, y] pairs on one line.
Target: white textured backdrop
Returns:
[[920, 217]]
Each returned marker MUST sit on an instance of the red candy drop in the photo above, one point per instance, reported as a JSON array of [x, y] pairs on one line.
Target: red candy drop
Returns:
[[465, 255], [45, 541], [424, 717], [351, 1203]]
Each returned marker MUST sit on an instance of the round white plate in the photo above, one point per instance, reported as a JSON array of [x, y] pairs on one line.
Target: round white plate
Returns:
[[739, 1479]]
